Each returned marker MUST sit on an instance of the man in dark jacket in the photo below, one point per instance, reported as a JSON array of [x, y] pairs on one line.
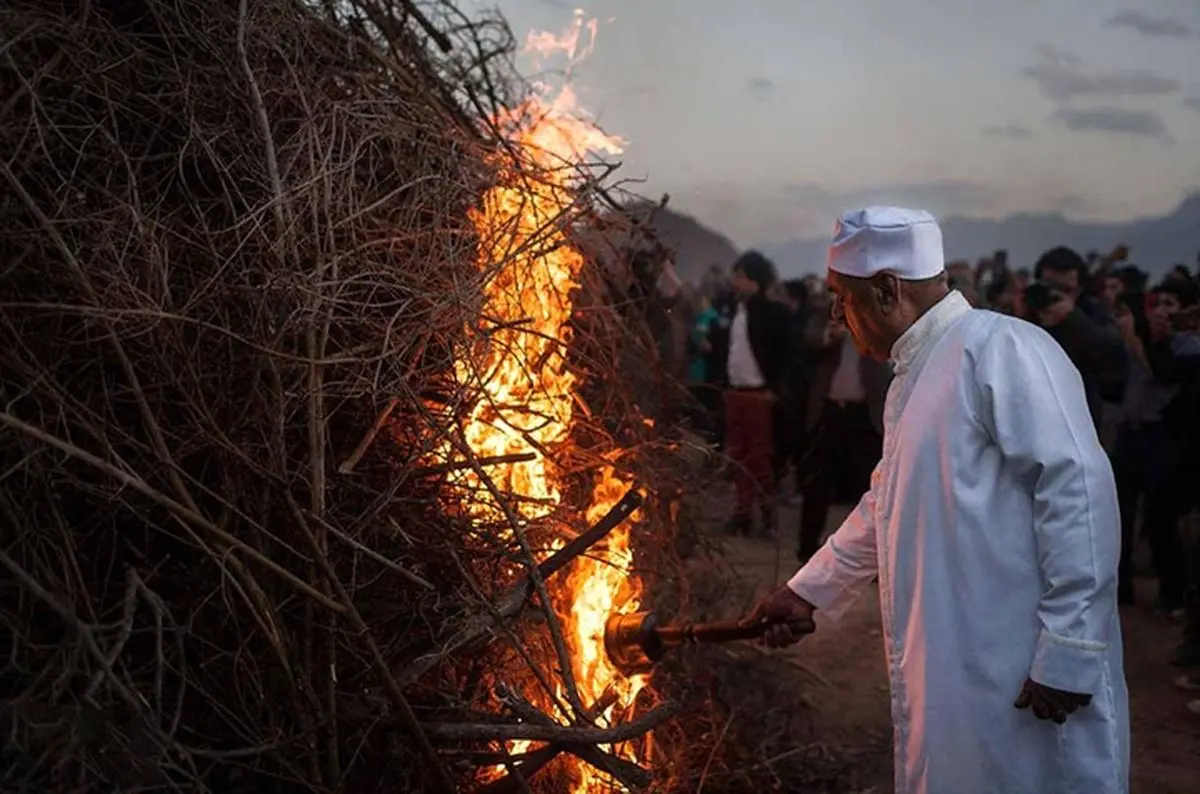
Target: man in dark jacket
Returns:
[[756, 362], [844, 420], [790, 438], [1059, 302], [1174, 356]]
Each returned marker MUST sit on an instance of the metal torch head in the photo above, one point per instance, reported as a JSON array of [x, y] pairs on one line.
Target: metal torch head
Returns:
[[632, 642]]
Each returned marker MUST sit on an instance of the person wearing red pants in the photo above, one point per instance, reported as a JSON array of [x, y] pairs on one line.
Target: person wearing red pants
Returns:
[[759, 349]]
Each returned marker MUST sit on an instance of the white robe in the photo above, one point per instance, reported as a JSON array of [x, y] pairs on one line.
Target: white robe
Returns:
[[992, 525]]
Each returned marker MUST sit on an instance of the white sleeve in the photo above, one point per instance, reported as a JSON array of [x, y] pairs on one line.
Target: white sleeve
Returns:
[[1033, 405], [833, 578]]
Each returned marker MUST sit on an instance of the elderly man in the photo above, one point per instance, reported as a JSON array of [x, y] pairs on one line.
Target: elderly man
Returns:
[[991, 524]]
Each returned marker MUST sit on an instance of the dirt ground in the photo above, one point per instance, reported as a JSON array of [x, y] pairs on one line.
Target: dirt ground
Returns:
[[851, 715]]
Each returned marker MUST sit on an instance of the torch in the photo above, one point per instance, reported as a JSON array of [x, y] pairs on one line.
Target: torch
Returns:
[[635, 641]]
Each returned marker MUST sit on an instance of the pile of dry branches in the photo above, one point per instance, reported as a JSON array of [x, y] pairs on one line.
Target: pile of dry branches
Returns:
[[236, 267]]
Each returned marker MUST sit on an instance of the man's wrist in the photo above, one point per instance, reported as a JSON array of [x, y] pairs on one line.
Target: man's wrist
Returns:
[[797, 589]]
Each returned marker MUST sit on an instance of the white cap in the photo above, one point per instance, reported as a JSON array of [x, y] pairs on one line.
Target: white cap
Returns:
[[905, 242]]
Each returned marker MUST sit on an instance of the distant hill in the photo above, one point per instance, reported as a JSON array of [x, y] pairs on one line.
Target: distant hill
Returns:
[[696, 246], [1156, 244]]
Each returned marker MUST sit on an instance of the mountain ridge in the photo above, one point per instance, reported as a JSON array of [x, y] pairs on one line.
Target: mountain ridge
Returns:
[[1156, 243], [697, 246]]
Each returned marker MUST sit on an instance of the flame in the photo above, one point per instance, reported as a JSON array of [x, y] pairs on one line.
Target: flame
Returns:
[[526, 391]]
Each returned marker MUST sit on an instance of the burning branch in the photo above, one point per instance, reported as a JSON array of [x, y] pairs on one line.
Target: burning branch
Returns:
[[512, 602], [521, 771], [556, 733], [631, 775], [538, 584]]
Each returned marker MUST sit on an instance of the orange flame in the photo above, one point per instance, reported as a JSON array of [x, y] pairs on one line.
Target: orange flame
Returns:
[[526, 401]]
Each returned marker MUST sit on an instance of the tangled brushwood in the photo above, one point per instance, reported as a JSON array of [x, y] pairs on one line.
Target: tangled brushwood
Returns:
[[239, 279]]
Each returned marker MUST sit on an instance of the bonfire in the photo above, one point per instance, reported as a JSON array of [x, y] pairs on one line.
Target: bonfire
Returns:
[[527, 393], [317, 475]]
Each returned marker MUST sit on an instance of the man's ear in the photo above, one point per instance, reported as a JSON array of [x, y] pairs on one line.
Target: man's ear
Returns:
[[886, 288]]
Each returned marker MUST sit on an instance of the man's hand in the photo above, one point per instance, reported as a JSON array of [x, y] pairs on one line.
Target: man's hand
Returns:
[[1056, 312], [1048, 703], [781, 608]]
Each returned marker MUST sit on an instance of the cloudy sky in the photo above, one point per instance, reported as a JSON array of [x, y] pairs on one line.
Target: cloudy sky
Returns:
[[766, 121]]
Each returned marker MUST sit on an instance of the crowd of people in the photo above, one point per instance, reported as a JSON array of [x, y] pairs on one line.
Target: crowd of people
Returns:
[[780, 387]]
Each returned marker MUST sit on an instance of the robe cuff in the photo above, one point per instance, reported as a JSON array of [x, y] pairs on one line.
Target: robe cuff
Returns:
[[822, 583], [1068, 664]]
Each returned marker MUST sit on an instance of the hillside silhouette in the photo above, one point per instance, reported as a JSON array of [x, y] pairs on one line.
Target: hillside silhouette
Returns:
[[697, 247], [1156, 244]]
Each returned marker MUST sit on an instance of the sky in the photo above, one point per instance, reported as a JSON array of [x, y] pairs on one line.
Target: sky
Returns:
[[767, 118]]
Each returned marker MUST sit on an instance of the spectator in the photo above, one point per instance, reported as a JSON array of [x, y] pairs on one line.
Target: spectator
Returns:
[[795, 296], [1022, 278], [1146, 459], [815, 286], [1064, 272], [1173, 353], [1178, 356], [962, 277], [1111, 285], [1133, 278], [793, 394], [1080, 324], [756, 362], [724, 303], [845, 423], [705, 395], [1180, 275], [1004, 296]]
